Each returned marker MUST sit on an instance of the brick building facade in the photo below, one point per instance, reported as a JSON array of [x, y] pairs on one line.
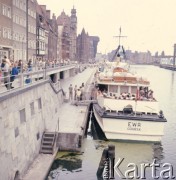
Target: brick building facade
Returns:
[[67, 33], [28, 32], [86, 47]]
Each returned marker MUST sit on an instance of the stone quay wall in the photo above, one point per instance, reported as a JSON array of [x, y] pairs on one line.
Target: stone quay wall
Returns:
[[24, 116]]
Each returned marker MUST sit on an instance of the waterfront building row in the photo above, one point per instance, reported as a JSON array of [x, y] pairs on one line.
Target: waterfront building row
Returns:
[[28, 31]]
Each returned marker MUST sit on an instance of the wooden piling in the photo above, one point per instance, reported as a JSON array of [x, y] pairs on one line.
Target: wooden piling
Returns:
[[106, 165], [104, 158]]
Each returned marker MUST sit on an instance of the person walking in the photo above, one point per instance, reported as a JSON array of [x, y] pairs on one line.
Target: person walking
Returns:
[[6, 73], [78, 94], [70, 92], [75, 91]]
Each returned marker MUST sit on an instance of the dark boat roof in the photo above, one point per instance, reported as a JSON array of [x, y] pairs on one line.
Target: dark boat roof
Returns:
[[138, 116]]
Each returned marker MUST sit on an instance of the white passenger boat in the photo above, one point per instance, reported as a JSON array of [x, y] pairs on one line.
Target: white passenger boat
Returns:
[[126, 108]]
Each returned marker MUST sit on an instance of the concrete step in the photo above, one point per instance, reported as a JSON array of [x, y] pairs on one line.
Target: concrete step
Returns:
[[46, 151], [47, 132], [50, 139], [47, 143], [47, 147], [49, 135]]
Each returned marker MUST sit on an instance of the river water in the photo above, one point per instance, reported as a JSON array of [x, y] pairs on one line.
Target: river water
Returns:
[[84, 165]]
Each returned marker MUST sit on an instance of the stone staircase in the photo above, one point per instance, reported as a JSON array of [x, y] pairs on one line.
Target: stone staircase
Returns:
[[48, 143]]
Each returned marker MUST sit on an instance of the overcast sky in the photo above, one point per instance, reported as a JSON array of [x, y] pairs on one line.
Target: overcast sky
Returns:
[[149, 24]]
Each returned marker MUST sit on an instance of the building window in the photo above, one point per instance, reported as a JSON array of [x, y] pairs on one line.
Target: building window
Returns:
[[14, 18], [17, 19], [39, 103], [21, 5], [9, 34], [17, 3], [32, 109], [22, 116], [16, 132], [9, 12], [6, 11], [38, 136], [6, 33]]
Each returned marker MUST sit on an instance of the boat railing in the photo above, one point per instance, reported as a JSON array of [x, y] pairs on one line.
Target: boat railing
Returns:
[[132, 98], [124, 80]]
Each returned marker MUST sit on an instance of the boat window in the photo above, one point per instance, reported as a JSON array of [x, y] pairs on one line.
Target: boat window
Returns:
[[133, 89], [103, 87], [120, 112], [113, 89], [127, 110], [124, 89], [149, 113]]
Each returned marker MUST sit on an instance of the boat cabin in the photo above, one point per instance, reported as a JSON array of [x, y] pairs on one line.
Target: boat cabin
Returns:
[[125, 91]]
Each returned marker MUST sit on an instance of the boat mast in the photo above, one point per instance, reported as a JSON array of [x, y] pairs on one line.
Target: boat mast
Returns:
[[119, 38]]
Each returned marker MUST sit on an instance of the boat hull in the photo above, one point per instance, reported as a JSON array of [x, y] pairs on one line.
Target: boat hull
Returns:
[[130, 129]]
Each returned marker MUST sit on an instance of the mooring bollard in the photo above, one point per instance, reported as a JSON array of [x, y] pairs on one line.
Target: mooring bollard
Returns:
[[104, 158], [106, 165], [111, 154]]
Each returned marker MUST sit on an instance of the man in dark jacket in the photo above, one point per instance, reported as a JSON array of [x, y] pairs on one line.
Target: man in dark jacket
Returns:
[[14, 73]]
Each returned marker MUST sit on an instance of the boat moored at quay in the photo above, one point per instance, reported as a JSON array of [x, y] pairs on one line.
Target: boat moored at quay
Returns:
[[126, 108]]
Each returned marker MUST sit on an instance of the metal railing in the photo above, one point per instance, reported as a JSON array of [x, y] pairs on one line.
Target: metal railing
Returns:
[[26, 77]]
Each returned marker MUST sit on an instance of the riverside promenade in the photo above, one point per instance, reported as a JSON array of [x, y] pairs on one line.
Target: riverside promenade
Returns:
[[72, 119]]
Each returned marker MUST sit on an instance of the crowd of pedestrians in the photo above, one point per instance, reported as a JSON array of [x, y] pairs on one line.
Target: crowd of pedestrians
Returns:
[[8, 72], [77, 93], [10, 69]]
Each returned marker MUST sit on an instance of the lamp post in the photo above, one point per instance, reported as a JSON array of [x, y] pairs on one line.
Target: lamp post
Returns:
[[22, 61], [174, 56], [27, 29]]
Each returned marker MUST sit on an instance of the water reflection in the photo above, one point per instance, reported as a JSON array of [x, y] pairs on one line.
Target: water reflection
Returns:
[[158, 151], [132, 152], [65, 162], [84, 165]]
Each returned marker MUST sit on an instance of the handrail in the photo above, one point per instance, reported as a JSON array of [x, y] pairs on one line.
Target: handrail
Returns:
[[54, 89]]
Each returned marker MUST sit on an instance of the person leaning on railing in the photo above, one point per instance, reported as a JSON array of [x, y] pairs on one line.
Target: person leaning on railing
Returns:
[[14, 73], [19, 66], [29, 65], [5, 67]]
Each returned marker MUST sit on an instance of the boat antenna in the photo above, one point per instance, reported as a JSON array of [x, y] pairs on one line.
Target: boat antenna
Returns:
[[120, 36], [117, 50]]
